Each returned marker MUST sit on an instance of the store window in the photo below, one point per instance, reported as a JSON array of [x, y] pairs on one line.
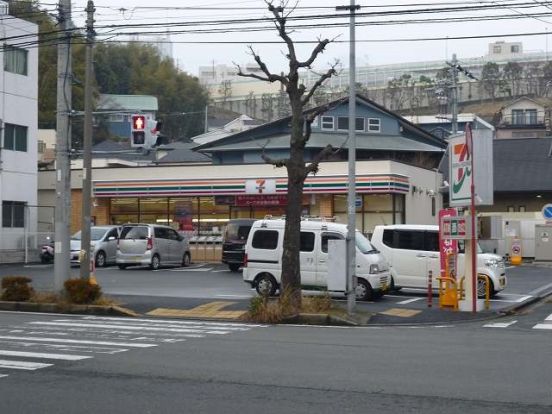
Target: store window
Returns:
[[124, 210], [372, 210]]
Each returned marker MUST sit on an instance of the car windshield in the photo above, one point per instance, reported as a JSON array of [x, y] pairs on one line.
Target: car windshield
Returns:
[[461, 247], [95, 234], [363, 244]]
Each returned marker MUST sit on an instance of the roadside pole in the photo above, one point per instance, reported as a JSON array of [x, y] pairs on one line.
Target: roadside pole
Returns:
[[351, 194], [62, 214], [87, 148]]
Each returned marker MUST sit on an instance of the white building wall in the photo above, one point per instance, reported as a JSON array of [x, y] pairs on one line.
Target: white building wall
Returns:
[[19, 105]]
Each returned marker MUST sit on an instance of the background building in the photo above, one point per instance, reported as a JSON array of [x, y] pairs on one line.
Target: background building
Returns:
[[18, 149]]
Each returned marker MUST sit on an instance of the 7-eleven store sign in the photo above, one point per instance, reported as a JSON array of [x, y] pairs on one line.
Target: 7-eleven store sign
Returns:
[[460, 172]]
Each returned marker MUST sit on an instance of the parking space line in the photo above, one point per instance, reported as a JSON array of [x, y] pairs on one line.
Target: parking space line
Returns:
[[203, 269], [546, 326], [404, 302], [499, 324]]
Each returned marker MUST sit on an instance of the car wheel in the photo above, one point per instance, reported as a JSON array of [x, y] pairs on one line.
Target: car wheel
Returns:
[[363, 290], [100, 259], [265, 285], [122, 266], [186, 260], [481, 287], [234, 267], [155, 262]]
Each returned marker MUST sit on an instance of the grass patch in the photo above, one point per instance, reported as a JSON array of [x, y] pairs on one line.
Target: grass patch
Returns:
[[275, 310]]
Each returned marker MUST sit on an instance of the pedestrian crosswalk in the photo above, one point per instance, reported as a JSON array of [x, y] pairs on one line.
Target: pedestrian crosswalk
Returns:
[[544, 325], [547, 324], [42, 343]]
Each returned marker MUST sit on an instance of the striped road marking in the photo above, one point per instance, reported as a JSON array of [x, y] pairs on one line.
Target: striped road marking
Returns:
[[162, 321], [130, 327], [77, 341], [63, 357], [28, 366], [404, 302], [499, 324], [547, 326]]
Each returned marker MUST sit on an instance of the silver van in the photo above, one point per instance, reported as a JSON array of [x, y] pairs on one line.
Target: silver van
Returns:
[[151, 245], [103, 239]]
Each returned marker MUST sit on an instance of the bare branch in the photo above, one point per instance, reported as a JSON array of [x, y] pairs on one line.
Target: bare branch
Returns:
[[331, 72], [278, 163], [312, 168], [316, 51], [270, 77], [278, 13]]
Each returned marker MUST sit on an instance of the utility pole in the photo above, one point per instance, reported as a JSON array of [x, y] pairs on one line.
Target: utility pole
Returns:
[[87, 147], [351, 147], [62, 213], [454, 94]]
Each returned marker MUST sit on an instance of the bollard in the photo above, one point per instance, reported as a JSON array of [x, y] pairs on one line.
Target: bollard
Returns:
[[429, 289]]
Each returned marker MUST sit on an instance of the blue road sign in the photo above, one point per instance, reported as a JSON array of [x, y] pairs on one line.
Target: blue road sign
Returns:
[[547, 211]]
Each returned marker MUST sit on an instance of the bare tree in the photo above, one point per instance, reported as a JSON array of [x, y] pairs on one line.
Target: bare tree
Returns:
[[297, 168]]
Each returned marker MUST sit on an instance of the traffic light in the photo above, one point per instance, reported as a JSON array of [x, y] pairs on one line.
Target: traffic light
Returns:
[[138, 131]]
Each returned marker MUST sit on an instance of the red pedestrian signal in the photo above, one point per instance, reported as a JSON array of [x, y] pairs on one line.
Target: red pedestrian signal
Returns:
[[138, 122]]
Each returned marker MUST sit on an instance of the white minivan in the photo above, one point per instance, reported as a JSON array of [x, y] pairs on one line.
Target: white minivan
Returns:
[[413, 250], [263, 258]]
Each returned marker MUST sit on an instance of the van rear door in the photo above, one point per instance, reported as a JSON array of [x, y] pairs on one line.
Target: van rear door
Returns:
[[133, 240]]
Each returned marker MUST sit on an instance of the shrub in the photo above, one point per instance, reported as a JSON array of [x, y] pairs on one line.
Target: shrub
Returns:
[[80, 291], [16, 288], [317, 304]]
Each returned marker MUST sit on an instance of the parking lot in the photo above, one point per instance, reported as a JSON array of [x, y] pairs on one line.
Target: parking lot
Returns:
[[211, 290]]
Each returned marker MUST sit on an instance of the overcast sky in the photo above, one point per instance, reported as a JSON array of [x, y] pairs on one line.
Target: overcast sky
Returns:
[[190, 56]]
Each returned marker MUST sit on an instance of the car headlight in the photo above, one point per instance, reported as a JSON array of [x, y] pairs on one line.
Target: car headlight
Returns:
[[374, 268], [492, 262]]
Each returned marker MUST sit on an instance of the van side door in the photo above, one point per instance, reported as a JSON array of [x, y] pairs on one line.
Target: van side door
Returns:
[[322, 265], [307, 258], [410, 258], [161, 244], [111, 245]]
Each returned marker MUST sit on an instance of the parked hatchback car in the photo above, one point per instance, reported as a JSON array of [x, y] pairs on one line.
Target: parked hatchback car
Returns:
[[104, 241], [151, 245]]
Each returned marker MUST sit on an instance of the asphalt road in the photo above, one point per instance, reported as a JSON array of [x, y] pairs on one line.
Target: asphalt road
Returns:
[[73, 364]]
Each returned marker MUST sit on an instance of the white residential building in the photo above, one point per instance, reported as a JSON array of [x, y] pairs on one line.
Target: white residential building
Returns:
[[18, 143]]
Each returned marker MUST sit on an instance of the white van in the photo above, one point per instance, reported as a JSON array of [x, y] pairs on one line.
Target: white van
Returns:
[[263, 258], [413, 250]]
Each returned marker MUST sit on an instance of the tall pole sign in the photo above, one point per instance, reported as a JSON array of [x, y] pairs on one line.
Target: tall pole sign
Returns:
[[462, 194]]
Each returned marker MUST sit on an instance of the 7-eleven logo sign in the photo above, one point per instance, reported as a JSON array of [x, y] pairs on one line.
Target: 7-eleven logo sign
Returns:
[[460, 172]]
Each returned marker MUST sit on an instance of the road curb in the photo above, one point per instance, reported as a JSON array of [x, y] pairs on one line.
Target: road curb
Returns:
[[326, 319], [511, 310], [71, 309]]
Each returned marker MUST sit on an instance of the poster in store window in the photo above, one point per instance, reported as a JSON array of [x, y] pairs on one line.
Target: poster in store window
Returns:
[[183, 216]]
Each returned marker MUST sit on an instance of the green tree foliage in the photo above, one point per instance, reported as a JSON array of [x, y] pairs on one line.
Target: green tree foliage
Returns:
[[490, 79], [133, 69], [138, 69], [512, 73]]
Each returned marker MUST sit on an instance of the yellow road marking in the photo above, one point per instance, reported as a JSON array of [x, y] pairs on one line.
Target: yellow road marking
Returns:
[[207, 310], [403, 313]]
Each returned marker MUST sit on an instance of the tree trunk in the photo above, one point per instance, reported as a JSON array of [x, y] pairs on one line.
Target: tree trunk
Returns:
[[291, 266]]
